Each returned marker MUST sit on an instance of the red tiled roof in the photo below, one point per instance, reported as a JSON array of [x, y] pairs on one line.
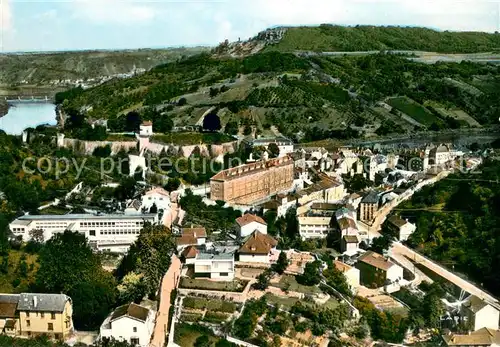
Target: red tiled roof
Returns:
[[248, 218], [190, 252], [258, 243], [147, 123], [376, 260]]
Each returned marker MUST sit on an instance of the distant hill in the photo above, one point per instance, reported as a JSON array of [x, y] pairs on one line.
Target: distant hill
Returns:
[[330, 38], [36, 69], [305, 97]]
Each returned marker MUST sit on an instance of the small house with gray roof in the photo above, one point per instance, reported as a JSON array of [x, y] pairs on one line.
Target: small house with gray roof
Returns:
[[131, 323]]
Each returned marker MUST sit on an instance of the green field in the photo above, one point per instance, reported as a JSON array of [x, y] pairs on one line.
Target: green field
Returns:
[[210, 304], [192, 138], [290, 283], [204, 284], [414, 110]]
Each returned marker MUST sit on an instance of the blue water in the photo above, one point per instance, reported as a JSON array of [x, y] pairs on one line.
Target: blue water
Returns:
[[24, 115]]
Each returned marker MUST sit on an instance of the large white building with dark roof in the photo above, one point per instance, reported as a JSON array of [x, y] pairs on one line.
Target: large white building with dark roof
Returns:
[[112, 232]]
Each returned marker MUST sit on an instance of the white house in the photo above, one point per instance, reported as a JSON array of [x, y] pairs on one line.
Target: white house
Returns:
[[285, 145], [156, 196], [401, 227], [480, 314], [351, 273], [257, 248], [314, 226], [215, 266], [146, 128], [131, 323], [248, 223], [105, 232]]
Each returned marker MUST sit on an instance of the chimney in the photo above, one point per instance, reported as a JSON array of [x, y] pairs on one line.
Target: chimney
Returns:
[[35, 301]]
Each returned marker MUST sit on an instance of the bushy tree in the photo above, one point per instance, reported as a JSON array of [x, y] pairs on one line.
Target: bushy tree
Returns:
[[282, 263], [274, 150], [311, 275], [68, 265]]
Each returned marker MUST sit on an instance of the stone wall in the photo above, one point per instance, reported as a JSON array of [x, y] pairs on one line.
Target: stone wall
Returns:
[[88, 147]]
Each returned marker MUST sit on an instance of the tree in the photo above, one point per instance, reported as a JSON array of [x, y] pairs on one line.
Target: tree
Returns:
[[163, 124], [202, 341], [337, 280], [131, 288], [247, 130], [263, 280], [282, 263], [36, 235], [211, 122], [182, 102], [311, 275], [150, 255], [172, 184], [213, 92], [274, 150], [381, 244], [132, 121], [231, 128], [126, 189], [68, 265]]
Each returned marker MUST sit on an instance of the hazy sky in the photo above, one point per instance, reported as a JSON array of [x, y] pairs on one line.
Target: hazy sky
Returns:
[[38, 25]]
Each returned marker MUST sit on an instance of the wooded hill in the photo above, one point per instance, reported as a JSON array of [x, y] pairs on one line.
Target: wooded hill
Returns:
[[306, 97], [334, 38]]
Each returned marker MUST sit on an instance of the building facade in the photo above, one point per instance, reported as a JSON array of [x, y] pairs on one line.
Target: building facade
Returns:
[[480, 314], [34, 314], [247, 184], [315, 226], [351, 274], [248, 223], [377, 271], [131, 323], [215, 266], [113, 233], [368, 207], [257, 248], [401, 227]]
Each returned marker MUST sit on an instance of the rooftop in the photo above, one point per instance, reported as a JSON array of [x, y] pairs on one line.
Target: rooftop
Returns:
[[258, 243], [248, 218], [36, 302], [83, 216], [481, 337], [342, 267], [370, 198], [8, 305], [252, 168], [376, 260], [475, 304], [219, 256], [131, 310], [158, 190], [397, 221], [190, 252], [351, 239]]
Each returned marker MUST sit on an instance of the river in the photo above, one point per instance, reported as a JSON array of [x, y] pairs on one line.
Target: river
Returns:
[[26, 114]]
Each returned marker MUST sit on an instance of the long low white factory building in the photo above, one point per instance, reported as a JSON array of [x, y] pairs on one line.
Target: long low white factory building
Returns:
[[105, 232]]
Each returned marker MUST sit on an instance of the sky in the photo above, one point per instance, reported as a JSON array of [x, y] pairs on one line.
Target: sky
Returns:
[[54, 25]]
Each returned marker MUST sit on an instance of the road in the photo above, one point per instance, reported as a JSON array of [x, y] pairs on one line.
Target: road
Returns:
[[403, 254]]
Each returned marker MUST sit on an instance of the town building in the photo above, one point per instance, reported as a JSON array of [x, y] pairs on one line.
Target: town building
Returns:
[[146, 128], [351, 273], [248, 223], [257, 248], [105, 232], [131, 323], [326, 190], [377, 270], [194, 236], [34, 314], [480, 314], [281, 203], [250, 183], [313, 226], [401, 227], [368, 207], [349, 244], [158, 197], [214, 266], [484, 337], [189, 255], [284, 145]]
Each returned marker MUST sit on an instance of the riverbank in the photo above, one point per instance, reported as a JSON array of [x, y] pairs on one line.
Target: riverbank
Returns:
[[4, 108]]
